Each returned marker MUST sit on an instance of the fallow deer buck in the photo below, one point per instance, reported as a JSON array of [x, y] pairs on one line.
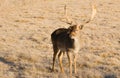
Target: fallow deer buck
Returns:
[[67, 40]]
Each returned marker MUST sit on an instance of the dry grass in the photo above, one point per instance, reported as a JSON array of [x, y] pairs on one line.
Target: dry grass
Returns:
[[25, 45]]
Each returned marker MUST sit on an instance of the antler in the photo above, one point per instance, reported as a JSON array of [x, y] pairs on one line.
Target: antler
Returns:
[[94, 11], [69, 21]]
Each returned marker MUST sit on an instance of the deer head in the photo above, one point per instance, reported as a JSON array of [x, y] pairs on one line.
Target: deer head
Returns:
[[77, 25]]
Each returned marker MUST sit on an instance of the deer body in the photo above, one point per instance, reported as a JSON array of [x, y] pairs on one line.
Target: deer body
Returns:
[[63, 41], [66, 40]]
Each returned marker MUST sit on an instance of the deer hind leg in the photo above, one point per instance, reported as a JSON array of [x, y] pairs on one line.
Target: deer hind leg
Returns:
[[69, 55], [54, 56], [60, 61]]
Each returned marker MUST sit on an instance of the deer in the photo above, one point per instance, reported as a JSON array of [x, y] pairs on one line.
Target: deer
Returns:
[[66, 40]]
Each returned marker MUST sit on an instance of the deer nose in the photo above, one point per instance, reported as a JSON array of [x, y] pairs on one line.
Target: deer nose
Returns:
[[72, 34]]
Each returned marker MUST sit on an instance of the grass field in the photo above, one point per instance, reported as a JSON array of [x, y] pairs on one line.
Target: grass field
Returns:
[[25, 43]]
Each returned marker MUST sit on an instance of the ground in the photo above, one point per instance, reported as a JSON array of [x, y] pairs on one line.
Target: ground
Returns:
[[25, 43]]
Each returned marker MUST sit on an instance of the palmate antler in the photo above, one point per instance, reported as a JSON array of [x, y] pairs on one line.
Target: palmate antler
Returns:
[[71, 21], [94, 11]]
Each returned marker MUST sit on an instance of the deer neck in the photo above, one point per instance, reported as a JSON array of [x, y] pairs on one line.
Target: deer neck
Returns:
[[76, 43]]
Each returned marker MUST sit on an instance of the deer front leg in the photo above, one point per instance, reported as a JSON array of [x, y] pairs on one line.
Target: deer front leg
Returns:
[[69, 54], [75, 63]]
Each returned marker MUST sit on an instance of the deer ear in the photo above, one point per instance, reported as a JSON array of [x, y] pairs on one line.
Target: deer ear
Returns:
[[69, 29], [81, 26]]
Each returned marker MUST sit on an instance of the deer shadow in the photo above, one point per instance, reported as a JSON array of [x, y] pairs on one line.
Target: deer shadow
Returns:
[[13, 67], [3, 60]]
